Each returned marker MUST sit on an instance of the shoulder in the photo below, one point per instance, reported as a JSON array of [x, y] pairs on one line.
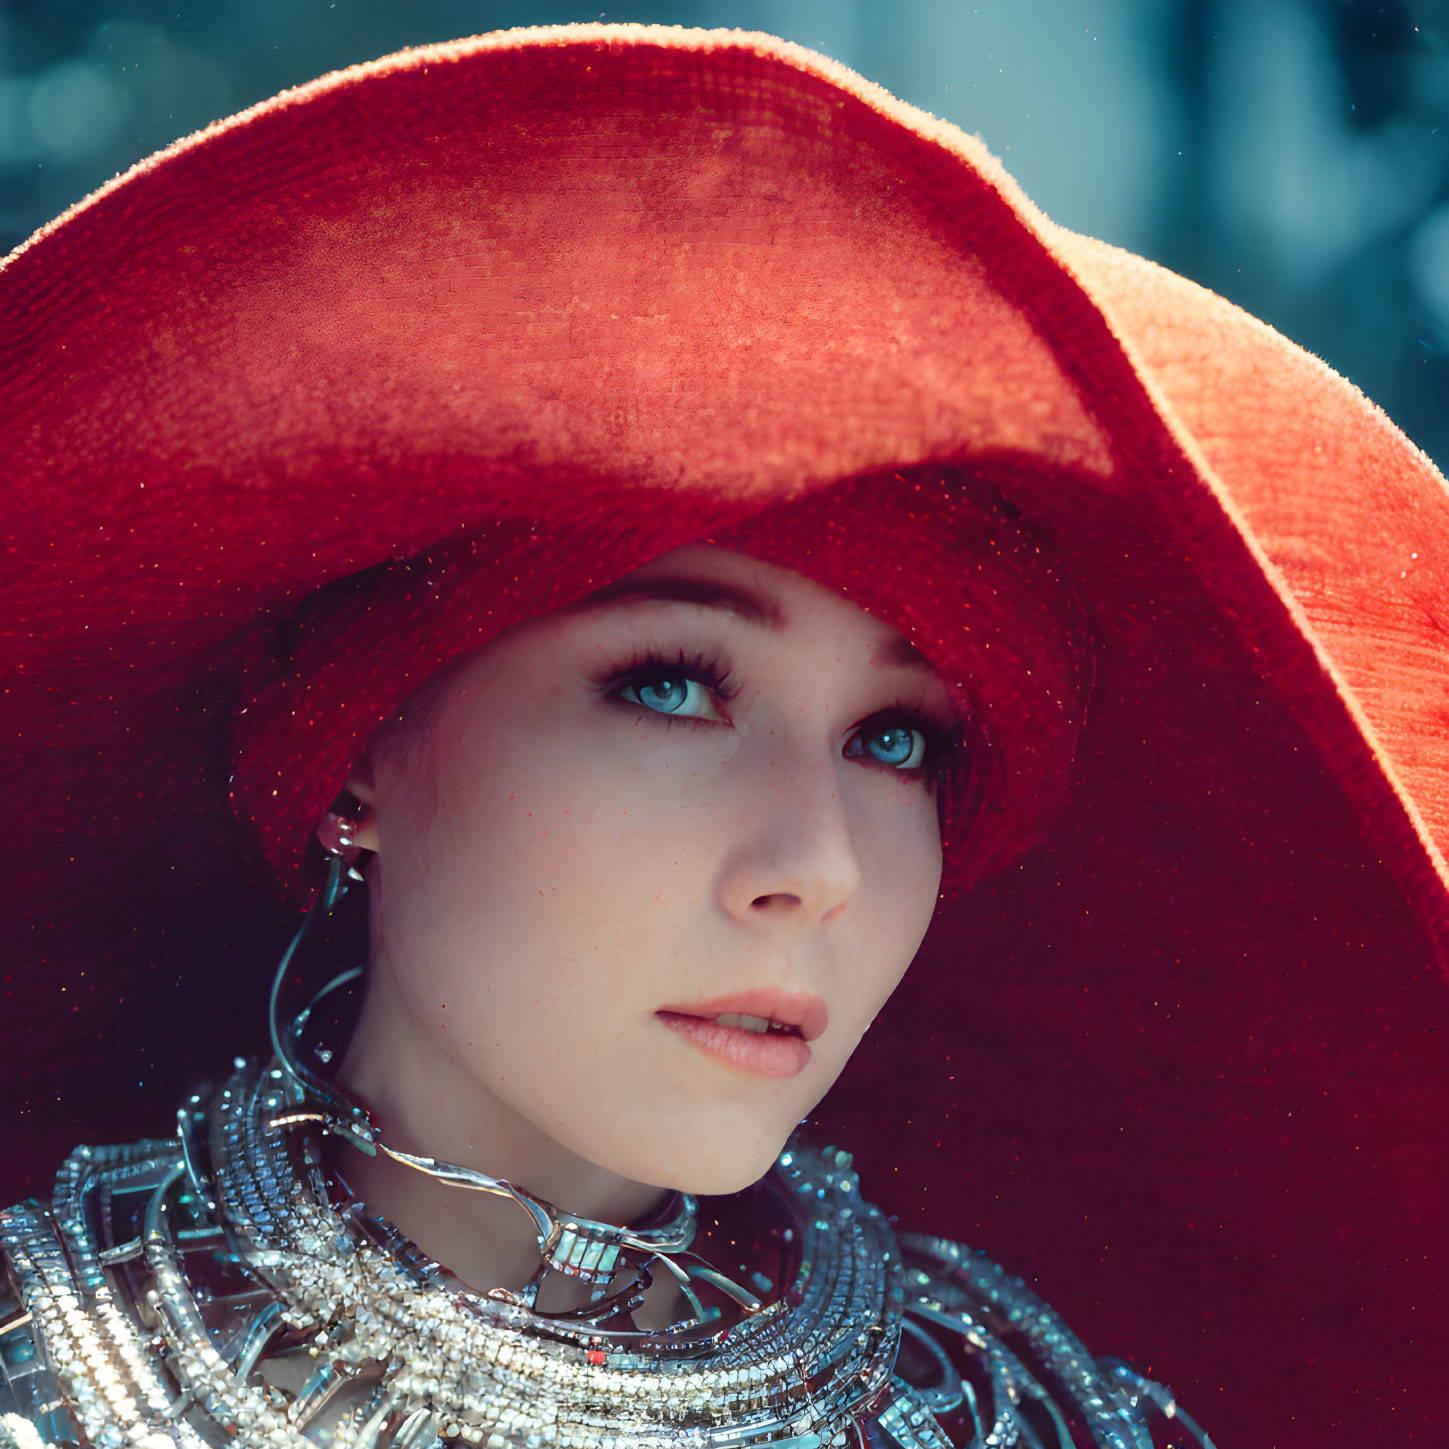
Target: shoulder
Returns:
[[61, 1312], [980, 1348]]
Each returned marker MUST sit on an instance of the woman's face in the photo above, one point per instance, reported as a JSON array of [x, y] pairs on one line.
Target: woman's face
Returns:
[[621, 837]]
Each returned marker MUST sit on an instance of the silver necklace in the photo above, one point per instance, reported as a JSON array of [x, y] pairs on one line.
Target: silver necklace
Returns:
[[486, 1367]]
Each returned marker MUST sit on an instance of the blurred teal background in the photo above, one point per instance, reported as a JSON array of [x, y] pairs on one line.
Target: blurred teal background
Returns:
[[1291, 154]]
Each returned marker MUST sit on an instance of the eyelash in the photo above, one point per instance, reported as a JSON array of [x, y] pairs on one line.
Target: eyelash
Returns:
[[940, 742], [943, 738], [708, 670]]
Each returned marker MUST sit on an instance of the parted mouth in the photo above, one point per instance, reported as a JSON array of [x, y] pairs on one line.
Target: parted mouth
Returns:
[[758, 1024], [766, 1011]]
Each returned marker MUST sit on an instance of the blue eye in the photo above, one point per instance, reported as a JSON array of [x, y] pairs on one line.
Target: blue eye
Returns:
[[898, 746], [673, 693]]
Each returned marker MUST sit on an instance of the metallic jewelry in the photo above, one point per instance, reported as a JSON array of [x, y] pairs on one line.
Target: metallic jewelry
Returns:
[[400, 1355], [335, 835], [144, 1316]]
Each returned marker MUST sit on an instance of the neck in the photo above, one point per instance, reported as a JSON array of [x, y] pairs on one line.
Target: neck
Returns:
[[427, 1104]]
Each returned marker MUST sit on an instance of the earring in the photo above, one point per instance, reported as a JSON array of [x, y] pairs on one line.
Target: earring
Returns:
[[335, 833], [321, 1101]]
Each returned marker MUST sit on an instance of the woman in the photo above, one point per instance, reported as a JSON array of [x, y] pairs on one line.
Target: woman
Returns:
[[386, 403]]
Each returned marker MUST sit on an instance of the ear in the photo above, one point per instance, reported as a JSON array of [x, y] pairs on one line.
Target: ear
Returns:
[[348, 828], [363, 788]]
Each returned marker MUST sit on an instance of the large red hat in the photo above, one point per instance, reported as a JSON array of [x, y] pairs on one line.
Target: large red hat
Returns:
[[593, 291]]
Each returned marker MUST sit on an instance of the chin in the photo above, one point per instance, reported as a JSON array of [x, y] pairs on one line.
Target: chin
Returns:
[[706, 1162], [722, 1175]]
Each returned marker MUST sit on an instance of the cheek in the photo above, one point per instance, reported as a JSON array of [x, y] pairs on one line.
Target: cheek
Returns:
[[543, 858], [901, 842], [900, 857]]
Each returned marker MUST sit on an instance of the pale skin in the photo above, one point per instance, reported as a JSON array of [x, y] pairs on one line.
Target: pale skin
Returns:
[[714, 779]]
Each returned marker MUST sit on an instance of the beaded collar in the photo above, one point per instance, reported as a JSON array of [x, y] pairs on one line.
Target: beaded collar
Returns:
[[207, 1289], [486, 1369]]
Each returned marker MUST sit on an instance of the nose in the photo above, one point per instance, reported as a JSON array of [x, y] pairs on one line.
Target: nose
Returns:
[[795, 864]]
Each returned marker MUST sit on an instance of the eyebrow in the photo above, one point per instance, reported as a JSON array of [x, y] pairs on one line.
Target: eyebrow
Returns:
[[709, 593], [729, 598]]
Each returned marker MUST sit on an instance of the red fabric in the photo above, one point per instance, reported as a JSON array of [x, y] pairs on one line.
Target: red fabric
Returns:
[[598, 290]]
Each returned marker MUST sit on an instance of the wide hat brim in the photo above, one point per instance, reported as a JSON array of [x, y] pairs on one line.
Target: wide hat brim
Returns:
[[624, 283]]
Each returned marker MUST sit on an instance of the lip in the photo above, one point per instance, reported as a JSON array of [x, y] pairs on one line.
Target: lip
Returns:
[[800, 1009], [765, 1055]]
